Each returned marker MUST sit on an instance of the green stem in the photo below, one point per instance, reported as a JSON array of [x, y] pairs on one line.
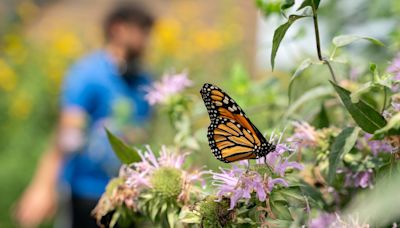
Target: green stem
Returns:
[[317, 39], [384, 100], [318, 43]]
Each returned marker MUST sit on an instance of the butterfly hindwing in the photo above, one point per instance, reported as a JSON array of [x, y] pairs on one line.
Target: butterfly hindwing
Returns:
[[231, 134]]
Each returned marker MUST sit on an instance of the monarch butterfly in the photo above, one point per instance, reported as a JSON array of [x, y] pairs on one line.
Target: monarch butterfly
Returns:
[[231, 135]]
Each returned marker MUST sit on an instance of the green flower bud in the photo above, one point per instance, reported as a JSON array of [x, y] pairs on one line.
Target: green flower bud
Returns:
[[215, 214], [167, 182]]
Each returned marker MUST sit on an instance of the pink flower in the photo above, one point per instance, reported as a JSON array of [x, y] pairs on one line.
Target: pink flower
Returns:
[[278, 162], [272, 182], [323, 220], [238, 184], [160, 91], [305, 135], [361, 179], [394, 68], [376, 146]]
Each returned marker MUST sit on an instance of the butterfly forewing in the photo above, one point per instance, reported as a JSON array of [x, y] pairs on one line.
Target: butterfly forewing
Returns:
[[231, 134]]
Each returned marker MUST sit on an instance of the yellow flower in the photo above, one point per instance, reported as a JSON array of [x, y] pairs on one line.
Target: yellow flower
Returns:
[[208, 40], [55, 69], [8, 77], [67, 44], [20, 106], [14, 48], [166, 35]]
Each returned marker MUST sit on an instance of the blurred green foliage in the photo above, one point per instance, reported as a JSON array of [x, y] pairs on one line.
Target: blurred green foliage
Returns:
[[31, 75]]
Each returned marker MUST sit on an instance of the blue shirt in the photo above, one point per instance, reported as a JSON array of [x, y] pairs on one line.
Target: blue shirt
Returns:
[[95, 86]]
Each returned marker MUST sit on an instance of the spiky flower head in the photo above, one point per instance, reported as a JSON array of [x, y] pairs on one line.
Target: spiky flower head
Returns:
[[215, 213]]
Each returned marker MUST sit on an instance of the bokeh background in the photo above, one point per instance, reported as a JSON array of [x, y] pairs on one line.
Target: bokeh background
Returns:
[[224, 42]]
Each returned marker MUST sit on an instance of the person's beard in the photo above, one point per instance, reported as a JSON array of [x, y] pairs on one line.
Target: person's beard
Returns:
[[133, 66], [132, 54]]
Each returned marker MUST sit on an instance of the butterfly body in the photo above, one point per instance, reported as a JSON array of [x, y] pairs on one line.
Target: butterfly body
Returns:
[[231, 134]]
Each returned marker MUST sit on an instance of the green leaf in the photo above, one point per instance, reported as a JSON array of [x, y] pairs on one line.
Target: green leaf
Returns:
[[356, 95], [312, 94], [281, 210], [342, 145], [172, 217], [378, 81], [114, 219], [343, 40], [279, 34], [312, 3], [314, 195], [278, 223], [188, 215], [294, 196], [363, 114], [322, 119], [286, 4], [277, 196], [126, 154], [391, 128], [303, 66]]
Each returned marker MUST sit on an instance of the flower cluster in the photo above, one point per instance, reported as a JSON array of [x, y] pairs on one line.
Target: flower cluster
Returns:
[[161, 91], [239, 183], [305, 135], [361, 179], [394, 68], [163, 176], [375, 146]]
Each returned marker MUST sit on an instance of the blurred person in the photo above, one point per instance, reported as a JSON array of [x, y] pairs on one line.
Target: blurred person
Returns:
[[103, 89]]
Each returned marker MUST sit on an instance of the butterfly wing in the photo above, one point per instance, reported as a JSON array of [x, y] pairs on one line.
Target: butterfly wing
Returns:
[[231, 134]]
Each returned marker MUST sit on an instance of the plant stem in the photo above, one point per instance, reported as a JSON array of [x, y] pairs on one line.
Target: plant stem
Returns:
[[318, 43], [384, 100], [317, 39], [330, 69]]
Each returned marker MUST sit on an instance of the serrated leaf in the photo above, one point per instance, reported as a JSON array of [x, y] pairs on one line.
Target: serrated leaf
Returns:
[[391, 128], [312, 3], [342, 145], [343, 40], [281, 210], [279, 34], [126, 154], [363, 114], [303, 66], [311, 94]]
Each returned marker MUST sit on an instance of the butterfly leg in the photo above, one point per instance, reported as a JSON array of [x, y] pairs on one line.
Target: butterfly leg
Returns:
[[248, 166]]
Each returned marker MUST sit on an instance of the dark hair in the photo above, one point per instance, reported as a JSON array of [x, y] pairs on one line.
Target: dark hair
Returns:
[[129, 12]]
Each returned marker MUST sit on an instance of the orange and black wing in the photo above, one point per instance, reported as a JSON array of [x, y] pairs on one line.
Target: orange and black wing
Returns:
[[231, 135]]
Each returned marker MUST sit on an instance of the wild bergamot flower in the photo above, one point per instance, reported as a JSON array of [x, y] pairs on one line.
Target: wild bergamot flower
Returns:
[[163, 176]]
